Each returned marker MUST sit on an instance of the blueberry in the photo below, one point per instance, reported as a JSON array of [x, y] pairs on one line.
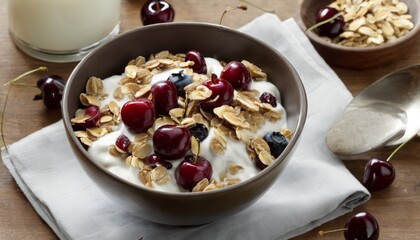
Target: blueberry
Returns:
[[180, 80], [277, 142], [199, 131]]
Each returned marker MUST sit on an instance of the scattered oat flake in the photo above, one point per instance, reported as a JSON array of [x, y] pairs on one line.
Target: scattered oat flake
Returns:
[[266, 158], [234, 168], [86, 141], [106, 119], [142, 150], [88, 100], [94, 86], [195, 146], [114, 151], [200, 93], [236, 120], [131, 71], [200, 186], [143, 91], [159, 175]]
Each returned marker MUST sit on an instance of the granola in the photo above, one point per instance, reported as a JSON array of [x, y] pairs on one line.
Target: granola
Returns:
[[372, 22]]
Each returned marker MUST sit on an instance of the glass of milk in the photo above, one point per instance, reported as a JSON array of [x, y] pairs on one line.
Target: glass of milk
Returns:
[[62, 30]]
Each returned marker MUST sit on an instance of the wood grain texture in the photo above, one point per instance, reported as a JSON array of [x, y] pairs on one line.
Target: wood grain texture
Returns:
[[397, 208]]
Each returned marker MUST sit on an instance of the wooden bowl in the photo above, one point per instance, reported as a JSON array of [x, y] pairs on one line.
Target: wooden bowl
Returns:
[[358, 57]]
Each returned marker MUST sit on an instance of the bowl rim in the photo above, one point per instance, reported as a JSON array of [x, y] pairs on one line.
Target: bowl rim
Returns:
[[301, 116], [315, 37]]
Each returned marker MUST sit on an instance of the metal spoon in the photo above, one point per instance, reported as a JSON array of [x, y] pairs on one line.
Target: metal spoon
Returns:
[[387, 113]]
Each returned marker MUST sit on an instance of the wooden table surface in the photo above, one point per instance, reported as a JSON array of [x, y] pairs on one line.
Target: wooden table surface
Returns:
[[396, 208]]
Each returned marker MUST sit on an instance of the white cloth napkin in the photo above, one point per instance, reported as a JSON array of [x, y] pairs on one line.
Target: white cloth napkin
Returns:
[[314, 188]]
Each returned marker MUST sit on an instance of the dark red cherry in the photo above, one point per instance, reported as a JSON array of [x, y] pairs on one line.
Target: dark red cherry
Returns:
[[192, 170], [165, 97], [267, 97], [362, 226], [222, 93], [237, 74], [122, 143], [95, 115], [378, 174], [157, 11], [52, 87], [138, 115], [171, 141], [334, 27], [200, 65], [154, 160]]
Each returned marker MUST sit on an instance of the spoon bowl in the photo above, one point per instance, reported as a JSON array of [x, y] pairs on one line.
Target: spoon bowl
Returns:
[[387, 113]]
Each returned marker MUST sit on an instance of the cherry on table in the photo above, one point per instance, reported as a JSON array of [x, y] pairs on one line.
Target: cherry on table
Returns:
[[200, 65], [192, 170], [332, 28], [237, 74], [171, 141], [362, 226], [157, 11], [222, 93], [138, 115], [378, 175], [52, 87]]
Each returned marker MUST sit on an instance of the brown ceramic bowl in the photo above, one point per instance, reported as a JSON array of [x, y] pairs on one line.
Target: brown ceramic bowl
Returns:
[[357, 57], [211, 40]]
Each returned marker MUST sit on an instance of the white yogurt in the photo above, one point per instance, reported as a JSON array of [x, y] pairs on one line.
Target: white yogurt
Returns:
[[235, 153]]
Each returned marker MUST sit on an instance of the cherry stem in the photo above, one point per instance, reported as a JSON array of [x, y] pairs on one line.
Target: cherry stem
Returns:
[[187, 101], [258, 7], [323, 22], [213, 76], [23, 85], [10, 84], [396, 150], [322, 233], [242, 7], [198, 150]]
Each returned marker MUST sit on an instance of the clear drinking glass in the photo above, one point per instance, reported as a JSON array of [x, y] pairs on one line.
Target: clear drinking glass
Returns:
[[62, 30]]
